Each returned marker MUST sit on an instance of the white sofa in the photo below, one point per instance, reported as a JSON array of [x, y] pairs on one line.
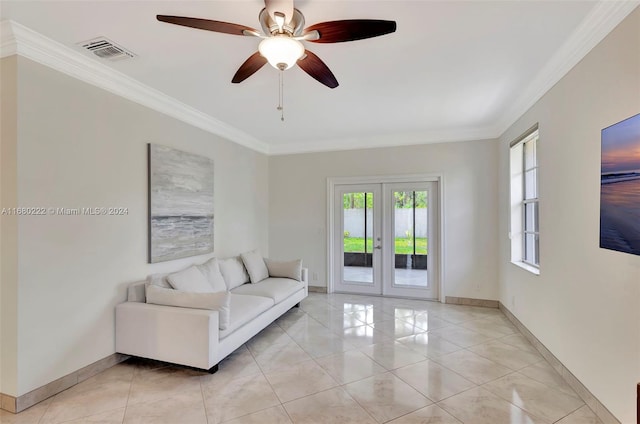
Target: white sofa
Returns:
[[192, 337]]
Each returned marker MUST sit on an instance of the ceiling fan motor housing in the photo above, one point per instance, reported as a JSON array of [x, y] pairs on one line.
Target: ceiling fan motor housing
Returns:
[[292, 27]]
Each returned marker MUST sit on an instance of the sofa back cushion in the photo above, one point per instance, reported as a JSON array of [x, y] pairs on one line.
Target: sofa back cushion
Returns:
[[211, 271], [233, 272], [256, 268], [190, 280], [285, 269], [218, 301]]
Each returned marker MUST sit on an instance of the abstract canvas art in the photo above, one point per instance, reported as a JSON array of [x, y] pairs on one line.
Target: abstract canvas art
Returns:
[[620, 187], [180, 204]]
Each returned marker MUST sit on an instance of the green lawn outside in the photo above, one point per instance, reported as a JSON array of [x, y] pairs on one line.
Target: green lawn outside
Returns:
[[404, 246]]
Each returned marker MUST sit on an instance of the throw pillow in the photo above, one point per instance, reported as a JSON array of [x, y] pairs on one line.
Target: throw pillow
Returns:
[[211, 271], [136, 292], [212, 301], [190, 280], [256, 268], [288, 269], [159, 280], [233, 272]]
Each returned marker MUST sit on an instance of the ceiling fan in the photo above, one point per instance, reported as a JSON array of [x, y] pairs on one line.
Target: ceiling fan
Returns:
[[283, 32]]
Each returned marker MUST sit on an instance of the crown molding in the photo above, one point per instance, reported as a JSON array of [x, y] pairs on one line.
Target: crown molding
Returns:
[[8, 44], [602, 19], [20, 40], [384, 140]]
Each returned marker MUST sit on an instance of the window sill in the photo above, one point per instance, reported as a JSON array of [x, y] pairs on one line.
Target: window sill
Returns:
[[531, 269]]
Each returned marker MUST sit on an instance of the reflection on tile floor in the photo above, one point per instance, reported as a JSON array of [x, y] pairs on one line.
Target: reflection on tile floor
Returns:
[[340, 359], [401, 276]]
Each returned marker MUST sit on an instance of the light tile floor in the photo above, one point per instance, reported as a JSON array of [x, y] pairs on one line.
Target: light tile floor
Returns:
[[340, 359]]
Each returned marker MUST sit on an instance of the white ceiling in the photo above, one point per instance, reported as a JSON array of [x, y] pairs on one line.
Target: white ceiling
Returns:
[[453, 70]]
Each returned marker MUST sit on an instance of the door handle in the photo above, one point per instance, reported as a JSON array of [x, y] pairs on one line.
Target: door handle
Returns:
[[377, 247]]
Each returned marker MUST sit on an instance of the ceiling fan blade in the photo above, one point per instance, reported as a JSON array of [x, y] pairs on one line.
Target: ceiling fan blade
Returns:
[[314, 66], [249, 67], [350, 30], [283, 6], [209, 25]]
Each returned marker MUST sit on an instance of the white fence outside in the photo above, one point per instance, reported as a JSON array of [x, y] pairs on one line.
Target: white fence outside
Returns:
[[354, 222]]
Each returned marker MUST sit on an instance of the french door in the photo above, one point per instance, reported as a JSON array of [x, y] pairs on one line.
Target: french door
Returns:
[[385, 239]]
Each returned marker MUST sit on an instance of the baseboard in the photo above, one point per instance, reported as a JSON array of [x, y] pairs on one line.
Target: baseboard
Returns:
[[317, 289], [8, 403], [592, 402], [467, 301], [20, 403]]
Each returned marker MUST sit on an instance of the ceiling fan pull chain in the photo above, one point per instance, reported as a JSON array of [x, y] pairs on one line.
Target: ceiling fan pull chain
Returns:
[[281, 96]]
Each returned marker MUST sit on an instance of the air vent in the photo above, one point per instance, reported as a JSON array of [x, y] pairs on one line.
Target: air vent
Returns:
[[106, 49]]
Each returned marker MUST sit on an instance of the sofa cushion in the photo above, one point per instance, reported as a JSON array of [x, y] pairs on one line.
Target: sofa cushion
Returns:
[[190, 280], [285, 269], [244, 308], [277, 289], [219, 301], [256, 268], [233, 272], [211, 271]]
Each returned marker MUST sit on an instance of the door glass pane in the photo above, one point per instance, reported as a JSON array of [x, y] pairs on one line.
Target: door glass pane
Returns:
[[411, 236], [358, 237]]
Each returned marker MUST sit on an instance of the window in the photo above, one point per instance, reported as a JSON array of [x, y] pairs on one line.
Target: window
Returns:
[[525, 232]]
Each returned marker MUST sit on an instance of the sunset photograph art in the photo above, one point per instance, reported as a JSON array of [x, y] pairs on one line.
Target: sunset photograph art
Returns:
[[620, 187]]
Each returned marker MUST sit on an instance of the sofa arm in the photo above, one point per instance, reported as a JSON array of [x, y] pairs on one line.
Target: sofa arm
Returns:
[[305, 275], [167, 333]]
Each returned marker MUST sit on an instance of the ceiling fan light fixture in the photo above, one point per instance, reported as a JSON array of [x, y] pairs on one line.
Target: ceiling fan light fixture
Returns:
[[281, 51]]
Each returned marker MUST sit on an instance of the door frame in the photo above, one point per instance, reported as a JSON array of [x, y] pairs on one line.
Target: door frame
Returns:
[[332, 182]]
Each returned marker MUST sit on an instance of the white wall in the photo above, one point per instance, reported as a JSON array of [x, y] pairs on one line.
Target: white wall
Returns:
[[8, 227], [79, 146], [584, 306], [298, 204]]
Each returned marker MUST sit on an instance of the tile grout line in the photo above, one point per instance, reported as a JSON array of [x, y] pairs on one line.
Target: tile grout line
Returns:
[[493, 338], [528, 335], [45, 410], [357, 348], [204, 403], [358, 403], [126, 405], [343, 386], [391, 372], [507, 400], [481, 386], [261, 372], [579, 407]]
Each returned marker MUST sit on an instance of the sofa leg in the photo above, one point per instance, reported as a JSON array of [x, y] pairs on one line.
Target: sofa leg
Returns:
[[213, 369], [297, 305]]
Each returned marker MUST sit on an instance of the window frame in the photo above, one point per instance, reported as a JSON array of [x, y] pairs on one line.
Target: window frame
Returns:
[[532, 138], [520, 198]]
